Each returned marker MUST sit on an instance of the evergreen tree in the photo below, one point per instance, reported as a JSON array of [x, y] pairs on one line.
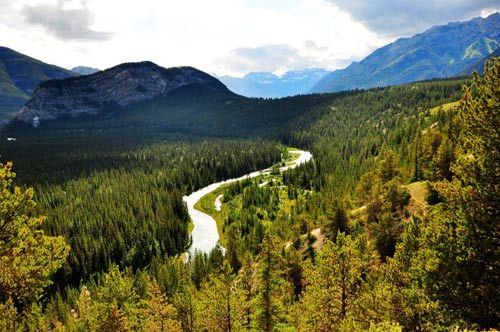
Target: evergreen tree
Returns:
[[159, 315], [332, 285], [388, 167], [28, 258], [466, 280], [218, 303], [339, 221], [272, 289], [246, 285], [9, 317], [408, 288], [232, 249]]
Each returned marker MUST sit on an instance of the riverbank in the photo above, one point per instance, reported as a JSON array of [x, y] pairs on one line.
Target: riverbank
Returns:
[[207, 221]]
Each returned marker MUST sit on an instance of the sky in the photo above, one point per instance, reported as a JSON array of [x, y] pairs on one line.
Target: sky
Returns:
[[222, 37]]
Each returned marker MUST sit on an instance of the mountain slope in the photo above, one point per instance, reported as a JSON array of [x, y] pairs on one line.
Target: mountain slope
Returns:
[[115, 88], [19, 75], [82, 70], [268, 85], [441, 51], [478, 67]]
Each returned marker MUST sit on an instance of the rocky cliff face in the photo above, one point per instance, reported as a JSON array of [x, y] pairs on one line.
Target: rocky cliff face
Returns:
[[119, 86]]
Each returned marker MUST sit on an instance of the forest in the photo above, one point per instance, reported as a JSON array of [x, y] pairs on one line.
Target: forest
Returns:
[[393, 226]]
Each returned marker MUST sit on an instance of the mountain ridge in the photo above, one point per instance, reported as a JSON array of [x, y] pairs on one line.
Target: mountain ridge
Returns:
[[478, 67], [116, 87], [19, 75], [438, 52]]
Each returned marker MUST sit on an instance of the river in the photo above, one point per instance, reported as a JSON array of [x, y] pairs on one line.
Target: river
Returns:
[[205, 235]]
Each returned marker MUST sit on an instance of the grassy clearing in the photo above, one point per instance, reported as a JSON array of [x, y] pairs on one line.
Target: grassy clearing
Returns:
[[418, 191], [445, 107], [293, 156]]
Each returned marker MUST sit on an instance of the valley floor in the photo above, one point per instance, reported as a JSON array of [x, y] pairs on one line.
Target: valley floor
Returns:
[[207, 221]]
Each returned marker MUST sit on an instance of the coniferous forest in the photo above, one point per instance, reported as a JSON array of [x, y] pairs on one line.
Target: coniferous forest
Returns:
[[392, 226]]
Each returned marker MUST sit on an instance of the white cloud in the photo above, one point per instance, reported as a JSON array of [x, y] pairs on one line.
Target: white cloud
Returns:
[[211, 35], [204, 34], [407, 17], [278, 58], [67, 20], [269, 58]]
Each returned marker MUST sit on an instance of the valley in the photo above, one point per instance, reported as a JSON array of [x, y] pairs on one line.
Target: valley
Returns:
[[295, 198], [130, 190], [207, 230], [121, 187]]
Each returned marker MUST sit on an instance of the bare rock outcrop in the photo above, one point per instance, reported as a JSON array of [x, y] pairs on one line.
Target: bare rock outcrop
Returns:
[[120, 86]]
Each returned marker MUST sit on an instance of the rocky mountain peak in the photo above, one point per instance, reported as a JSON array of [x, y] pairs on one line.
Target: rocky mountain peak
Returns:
[[119, 86]]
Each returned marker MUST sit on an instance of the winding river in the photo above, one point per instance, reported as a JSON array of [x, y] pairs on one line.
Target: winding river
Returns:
[[205, 235]]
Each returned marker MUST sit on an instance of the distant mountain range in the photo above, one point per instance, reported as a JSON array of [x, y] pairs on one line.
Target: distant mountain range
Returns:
[[442, 51], [269, 85], [115, 88], [19, 75], [82, 70], [439, 52]]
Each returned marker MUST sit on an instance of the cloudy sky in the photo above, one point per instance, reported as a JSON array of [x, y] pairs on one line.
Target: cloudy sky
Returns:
[[220, 36]]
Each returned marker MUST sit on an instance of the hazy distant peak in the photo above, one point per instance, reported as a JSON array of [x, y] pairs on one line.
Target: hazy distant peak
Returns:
[[82, 70], [270, 85]]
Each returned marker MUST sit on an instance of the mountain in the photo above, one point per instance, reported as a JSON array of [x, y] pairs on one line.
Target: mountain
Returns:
[[115, 88], [269, 85], [19, 75], [441, 51], [82, 70], [478, 67]]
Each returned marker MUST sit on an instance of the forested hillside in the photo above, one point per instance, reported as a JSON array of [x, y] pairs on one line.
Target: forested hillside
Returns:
[[392, 226], [19, 75]]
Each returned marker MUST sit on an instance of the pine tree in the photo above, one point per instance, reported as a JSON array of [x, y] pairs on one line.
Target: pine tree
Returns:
[[159, 315], [9, 317], [405, 280], [184, 303], [417, 172], [466, 280], [28, 258], [272, 289], [232, 249], [218, 303], [444, 158], [115, 321], [84, 317], [388, 167], [246, 284], [339, 221], [332, 285]]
